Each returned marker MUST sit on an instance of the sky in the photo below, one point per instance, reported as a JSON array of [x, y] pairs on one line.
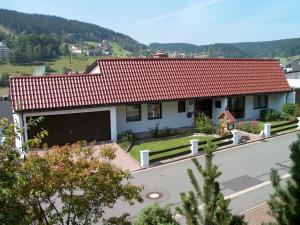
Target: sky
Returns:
[[190, 21]]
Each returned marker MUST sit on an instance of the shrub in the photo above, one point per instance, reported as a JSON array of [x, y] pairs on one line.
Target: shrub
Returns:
[[267, 115], [290, 111], [154, 215], [156, 132], [125, 138], [203, 124], [250, 127]]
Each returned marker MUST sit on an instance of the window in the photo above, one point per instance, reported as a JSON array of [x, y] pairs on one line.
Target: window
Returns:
[[154, 111], [181, 106], [236, 105], [260, 101], [218, 104], [133, 113]]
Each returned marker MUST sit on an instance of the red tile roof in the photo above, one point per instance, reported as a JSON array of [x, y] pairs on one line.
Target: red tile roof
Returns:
[[142, 80]]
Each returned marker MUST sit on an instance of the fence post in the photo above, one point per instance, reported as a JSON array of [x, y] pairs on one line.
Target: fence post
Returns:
[[144, 158], [194, 147], [298, 118], [267, 130], [235, 137]]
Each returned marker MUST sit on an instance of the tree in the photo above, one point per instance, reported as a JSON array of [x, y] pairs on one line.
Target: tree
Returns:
[[285, 202], [72, 184], [215, 206], [155, 215]]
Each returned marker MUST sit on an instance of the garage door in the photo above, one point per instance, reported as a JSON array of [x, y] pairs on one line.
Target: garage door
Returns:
[[70, 128]]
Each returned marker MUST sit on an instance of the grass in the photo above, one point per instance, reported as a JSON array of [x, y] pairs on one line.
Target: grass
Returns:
[[3, 91], [274, 123], [118, 51], [79, 63], [157, 145]]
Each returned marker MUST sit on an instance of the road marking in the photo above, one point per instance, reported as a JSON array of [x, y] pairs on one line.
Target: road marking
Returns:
[[236, 194]]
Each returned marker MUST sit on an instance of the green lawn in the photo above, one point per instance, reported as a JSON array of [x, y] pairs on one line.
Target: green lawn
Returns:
[[274, 123], [79, 63], [118, 51], [163, 144], [3, 91]]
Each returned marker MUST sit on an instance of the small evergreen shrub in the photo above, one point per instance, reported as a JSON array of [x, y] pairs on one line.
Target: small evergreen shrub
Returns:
[[156, 132], [267, 115], [203, 124], [125, 138], [290, 111], [155, 215]]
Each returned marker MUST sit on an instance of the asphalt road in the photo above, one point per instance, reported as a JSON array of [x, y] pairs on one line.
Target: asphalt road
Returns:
[[242, 167]]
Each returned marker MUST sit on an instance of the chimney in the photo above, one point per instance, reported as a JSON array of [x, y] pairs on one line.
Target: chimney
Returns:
[[160, 54]]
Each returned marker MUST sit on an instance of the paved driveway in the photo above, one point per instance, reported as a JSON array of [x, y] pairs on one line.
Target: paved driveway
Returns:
[[123, 160]]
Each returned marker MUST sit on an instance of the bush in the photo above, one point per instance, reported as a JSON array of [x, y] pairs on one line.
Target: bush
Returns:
[[290, 111], [154, 215], [125, 138], [156, 132], [250, 127], [203, 124], [267, 115]]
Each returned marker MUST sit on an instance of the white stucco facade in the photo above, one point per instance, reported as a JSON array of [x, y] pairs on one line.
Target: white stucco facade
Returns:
[[170, 118]]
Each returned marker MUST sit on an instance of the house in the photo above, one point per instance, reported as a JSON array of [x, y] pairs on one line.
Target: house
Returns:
[[293, 66], [4, 50], [115, 95]]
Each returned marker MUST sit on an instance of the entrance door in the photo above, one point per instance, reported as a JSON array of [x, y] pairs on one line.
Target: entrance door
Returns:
[[204, 106]]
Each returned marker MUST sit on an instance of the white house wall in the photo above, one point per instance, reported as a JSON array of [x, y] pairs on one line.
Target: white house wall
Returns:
[[250, 112], [217, 111], [170, 118], [276, 101], [95, 70]]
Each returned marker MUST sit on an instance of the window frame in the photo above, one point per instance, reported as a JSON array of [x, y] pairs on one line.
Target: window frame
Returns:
[[160, 112], [179, 110], [240, 112], [140, 113], [259, 105]]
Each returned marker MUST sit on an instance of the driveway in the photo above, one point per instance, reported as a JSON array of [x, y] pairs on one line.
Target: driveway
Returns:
[[242, 167], [123, 160]]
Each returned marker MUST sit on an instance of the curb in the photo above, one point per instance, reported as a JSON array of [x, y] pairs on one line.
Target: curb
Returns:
[[218, 150]]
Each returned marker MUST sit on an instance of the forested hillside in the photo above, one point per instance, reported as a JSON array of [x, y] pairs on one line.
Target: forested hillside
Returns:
[[279, 48], [67, 31]]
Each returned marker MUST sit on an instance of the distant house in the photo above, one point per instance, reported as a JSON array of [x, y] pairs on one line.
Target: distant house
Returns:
[[293, 66], [75, 50], [4, 50], [115, 95]]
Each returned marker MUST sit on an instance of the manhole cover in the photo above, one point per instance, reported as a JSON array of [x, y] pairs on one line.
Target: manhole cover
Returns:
[[154, 195]]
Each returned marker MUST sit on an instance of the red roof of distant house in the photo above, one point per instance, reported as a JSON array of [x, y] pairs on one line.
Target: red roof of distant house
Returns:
[[144, 80]]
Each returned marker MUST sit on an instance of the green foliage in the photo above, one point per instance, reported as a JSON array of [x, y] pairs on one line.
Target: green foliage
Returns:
[[69, 31], [125, 138], [4, 80], [268, 115], [285, 202], [72, 184], [250, 127], [203, 124], [155, 215], [215, 206], [290, 111], [27, 48], [280, 48], [156, 132]]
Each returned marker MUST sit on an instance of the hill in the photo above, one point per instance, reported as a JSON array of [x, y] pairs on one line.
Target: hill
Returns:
[[271, 49], [69, 31]]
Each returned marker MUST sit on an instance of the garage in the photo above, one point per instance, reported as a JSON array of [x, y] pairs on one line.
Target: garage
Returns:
[[73, 127]]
